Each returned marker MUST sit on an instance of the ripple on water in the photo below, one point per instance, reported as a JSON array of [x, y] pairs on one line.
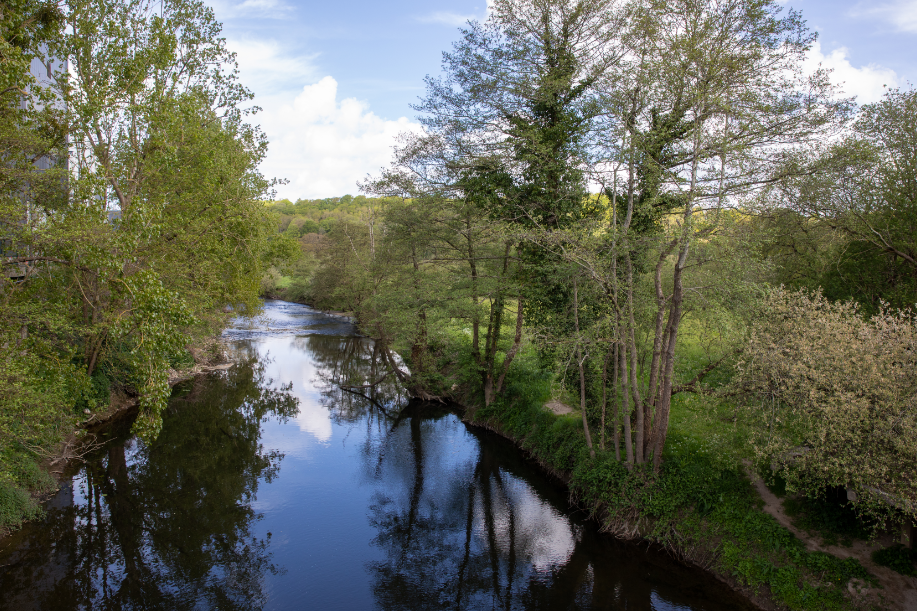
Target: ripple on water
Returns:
[[282, 318]]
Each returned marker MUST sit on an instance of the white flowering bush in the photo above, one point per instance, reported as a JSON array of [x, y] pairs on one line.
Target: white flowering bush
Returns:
[[833, 395]]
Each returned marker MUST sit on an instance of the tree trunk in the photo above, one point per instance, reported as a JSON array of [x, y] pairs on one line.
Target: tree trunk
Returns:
[[652, 391], [475, 322], [419, 347], [494, 327], [634, 387], [665, 395], [517, 341], [625, 405], [604, 396], [668, 372], [617, 418], [582, 377]]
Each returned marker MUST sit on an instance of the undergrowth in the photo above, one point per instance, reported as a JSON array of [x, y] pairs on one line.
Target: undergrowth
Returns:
[[898, 558], [20, 481], [830, 515]]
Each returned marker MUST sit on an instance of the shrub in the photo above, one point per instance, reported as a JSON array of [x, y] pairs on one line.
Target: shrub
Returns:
[[897, 558], [834, 397]]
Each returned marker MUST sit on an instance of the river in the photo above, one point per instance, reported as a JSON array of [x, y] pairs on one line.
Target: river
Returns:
[[271, 487]]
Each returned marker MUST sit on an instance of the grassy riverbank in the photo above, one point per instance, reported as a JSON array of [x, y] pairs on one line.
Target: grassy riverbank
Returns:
[[702, 506]]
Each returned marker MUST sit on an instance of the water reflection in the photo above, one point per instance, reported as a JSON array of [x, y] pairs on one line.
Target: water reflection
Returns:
[[167, 526], [381, 503], [352, 377], [464, 523], [485, 532]]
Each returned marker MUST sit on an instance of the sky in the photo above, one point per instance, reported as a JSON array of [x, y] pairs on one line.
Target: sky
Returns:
[[336, 79]]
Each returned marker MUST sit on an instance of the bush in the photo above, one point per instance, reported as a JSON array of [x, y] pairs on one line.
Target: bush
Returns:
[[830, 515], [834, 397], [21, 475], [16, 506], [897, 557]]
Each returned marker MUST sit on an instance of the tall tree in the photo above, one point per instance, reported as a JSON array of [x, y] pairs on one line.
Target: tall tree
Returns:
[[863, 192], [159, 224]]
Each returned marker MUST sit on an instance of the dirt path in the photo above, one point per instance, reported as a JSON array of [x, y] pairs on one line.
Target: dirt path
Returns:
[[898, 592], [558, 408]]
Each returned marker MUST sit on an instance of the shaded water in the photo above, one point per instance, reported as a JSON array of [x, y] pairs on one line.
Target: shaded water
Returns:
[[271, 487]]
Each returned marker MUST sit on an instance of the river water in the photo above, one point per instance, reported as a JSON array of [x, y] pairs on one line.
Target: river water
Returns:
[[271, 487]]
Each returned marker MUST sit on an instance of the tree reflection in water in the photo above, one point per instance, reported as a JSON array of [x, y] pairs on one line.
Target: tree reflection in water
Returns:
[[457, 519], [166, 526], [483, 530]]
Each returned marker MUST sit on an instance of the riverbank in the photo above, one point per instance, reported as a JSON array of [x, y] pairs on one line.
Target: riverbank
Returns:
[[35, 476], [703, 509], [707, 507]]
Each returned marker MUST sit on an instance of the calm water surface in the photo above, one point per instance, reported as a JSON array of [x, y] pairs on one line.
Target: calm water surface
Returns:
[[271, 487]]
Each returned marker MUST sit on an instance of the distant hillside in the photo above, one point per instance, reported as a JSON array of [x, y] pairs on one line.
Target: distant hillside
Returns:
[[305, 216]]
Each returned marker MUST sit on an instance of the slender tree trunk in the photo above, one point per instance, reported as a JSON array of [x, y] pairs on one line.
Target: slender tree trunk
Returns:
[[632, 349], [493, 334], [475, 321], [668, 372], [625, 405], [582, 377], [652, 392], [419, 347], [616, 418], [517, 341], [604, 396]]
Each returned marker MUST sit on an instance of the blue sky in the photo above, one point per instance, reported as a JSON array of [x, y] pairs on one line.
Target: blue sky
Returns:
[[336, 78]]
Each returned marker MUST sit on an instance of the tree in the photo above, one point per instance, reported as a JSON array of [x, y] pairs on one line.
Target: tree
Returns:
[[735, 67], [513, 111], [160, 224], [37, 378], [863, 191]]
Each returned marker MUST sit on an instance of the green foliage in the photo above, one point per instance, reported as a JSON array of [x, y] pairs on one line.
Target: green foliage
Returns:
[[848, 223], [27, 474], [116, 260], [20, 479], [830, 515], [16, 506], [898, 558], [833, 398]]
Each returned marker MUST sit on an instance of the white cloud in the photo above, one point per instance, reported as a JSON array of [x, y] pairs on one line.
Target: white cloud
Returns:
[[864, 82], [901, 14], [322, 145], [264, 9], [266, 67], [455, 19], [447, 18]]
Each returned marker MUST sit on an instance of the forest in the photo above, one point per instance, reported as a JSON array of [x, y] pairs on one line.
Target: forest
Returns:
[[648, 214]]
